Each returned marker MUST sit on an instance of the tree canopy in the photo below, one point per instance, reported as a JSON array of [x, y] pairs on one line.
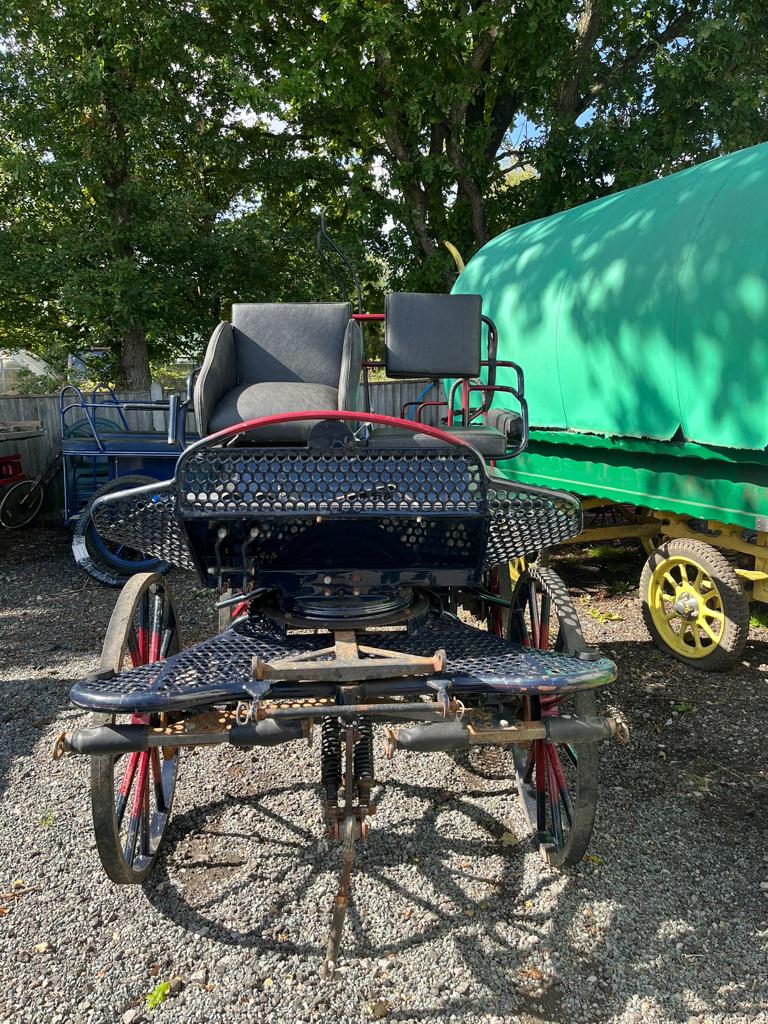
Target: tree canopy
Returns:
[[158, 161]]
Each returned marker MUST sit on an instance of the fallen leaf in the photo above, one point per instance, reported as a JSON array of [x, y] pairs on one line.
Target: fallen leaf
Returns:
[[379, 1009], [593, 858], [268, 983], [508, 839], [3, 911], [43, 947], [533, 973]]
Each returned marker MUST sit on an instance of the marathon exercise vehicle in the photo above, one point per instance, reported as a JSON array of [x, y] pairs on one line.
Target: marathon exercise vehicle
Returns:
[[352, 548]]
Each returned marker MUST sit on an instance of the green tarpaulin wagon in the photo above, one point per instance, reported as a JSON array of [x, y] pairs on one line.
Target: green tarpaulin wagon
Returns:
[[641, 322]]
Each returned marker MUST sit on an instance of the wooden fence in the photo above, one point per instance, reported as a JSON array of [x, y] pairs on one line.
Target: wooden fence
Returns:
[[387, 397]]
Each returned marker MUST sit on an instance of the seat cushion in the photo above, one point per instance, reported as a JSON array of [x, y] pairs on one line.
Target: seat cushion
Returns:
[[251, 401], [489, 442]]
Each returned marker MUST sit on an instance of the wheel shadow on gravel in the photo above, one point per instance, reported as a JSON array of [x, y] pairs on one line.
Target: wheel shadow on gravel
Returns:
[[432, 899]]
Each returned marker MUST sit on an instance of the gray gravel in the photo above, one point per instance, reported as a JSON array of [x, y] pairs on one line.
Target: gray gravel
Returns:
[[666, 922]]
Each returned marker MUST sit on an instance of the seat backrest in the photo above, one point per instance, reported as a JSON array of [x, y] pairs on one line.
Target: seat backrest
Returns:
[[289, 341], [432, 335]]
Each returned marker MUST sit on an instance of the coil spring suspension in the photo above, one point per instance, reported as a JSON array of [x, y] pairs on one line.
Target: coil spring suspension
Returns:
[[364, 759], [330, 758]]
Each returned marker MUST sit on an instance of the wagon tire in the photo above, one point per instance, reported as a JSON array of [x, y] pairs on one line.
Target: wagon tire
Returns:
[[91, 553], [694, 605], [146, 598]]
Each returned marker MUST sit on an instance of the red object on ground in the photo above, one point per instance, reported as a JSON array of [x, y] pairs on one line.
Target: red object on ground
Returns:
[[10, 470]]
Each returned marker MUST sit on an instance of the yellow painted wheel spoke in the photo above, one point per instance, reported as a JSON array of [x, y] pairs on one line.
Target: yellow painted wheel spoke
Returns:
[[709, 631], [712, 613]]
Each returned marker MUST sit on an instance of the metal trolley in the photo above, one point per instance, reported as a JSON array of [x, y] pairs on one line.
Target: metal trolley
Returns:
[[369, 583]]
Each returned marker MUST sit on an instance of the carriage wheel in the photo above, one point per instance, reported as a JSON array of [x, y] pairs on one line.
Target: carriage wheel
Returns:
[[132, 795], [557, 782], [694, 605]]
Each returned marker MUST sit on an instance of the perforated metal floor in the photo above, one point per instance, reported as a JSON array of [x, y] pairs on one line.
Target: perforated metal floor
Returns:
[[219, 670]]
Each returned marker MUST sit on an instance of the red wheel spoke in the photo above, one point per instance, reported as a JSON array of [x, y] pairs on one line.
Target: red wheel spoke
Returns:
[[144, 629], [157, 625], [145, 822], [125, 788], [562, 785], [137, 807], [157, 778], [134, 650]]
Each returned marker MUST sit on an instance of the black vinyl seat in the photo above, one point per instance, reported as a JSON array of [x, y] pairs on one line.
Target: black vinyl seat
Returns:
[[277, 358], [489, 441], [439, 336]]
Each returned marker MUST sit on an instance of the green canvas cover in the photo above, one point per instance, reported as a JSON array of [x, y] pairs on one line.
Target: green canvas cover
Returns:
[[643, 314]]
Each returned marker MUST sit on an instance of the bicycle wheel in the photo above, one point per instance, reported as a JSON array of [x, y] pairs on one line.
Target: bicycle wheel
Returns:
[[20, 504]]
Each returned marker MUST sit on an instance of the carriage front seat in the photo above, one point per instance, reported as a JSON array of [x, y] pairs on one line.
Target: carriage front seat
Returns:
[[277, 358]]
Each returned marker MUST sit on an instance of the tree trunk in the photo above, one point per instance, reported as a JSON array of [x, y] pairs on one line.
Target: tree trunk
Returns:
[[133, 348]]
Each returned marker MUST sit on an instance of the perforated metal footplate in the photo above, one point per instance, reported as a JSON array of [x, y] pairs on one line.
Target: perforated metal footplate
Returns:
[[425, 505], [219, 670]]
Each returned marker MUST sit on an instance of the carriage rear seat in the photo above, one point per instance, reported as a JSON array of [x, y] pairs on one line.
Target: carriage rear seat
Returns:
[[279, 358]]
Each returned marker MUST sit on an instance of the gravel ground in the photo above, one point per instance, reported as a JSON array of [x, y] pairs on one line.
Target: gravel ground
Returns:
[[667, 920]]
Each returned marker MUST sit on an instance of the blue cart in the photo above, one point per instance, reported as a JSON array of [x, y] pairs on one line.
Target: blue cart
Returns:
[[100, 454]]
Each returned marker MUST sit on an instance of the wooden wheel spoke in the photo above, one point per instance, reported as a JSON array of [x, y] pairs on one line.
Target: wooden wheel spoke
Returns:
[[124, 789], [530, 763], [157, 626], [570, 753], [145, 822], [554, 797], [534, 613], [562, 785], [132, 643], [541, 787], [143, 632], [157, 779], [137, 809], [546, 612]]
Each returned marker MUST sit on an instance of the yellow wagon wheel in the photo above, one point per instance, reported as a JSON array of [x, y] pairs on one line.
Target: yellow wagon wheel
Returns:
[[694, 605]]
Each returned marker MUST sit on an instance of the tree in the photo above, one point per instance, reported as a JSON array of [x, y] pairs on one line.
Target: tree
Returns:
[[448, 96], [141, 190]]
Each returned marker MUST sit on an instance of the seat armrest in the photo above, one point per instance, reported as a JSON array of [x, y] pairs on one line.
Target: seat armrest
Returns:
[[217, 376], [351, 365], [508, 422]]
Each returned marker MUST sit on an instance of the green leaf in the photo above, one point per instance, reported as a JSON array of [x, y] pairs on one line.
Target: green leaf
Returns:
[[159, 994]]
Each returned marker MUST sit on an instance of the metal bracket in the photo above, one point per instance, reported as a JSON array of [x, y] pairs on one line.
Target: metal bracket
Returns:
[[349, 662]]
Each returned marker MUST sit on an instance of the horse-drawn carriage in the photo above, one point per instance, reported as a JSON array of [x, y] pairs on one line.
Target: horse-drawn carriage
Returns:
[[365, 561]]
